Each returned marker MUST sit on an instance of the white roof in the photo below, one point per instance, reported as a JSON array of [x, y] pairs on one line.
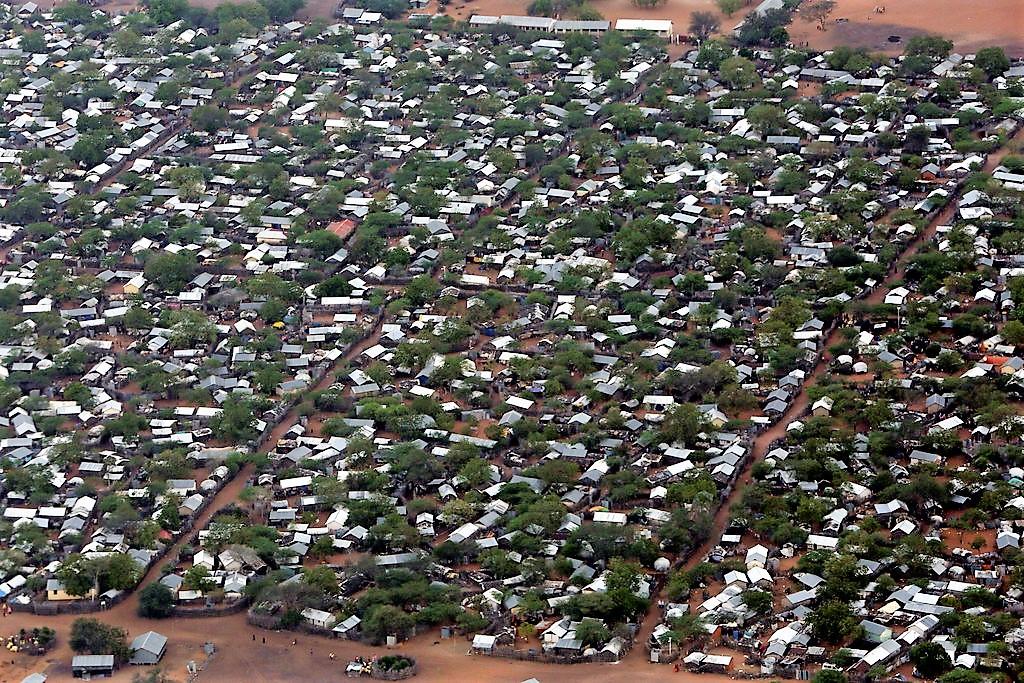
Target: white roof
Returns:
[[656, 25], [482, 642]]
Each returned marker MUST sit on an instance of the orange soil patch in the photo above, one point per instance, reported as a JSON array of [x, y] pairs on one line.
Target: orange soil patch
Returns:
[[238, 658], [954, 538], [970, 25]]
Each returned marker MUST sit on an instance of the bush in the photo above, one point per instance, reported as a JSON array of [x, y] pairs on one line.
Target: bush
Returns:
[[395, 663], [92, 637]]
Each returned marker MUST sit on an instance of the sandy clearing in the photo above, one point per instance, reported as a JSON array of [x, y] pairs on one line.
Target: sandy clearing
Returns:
[[238, 658], [970, 25]]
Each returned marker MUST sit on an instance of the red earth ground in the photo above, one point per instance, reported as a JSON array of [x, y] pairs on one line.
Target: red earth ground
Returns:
[[970, 25]]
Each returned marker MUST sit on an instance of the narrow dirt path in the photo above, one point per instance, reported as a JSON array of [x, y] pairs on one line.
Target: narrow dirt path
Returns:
[[230, 492], [947, 214]]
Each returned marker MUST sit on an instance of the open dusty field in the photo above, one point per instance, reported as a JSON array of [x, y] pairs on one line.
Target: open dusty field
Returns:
[[970, 25], [277, 661]]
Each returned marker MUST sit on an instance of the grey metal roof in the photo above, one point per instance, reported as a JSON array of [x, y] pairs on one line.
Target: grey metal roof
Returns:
[[150, 641], [92, 661]]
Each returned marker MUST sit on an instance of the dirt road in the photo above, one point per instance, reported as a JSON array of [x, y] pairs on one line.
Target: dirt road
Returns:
[[944, 217]]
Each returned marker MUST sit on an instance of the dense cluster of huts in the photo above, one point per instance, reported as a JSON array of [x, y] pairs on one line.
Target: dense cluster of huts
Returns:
[[493, 318]]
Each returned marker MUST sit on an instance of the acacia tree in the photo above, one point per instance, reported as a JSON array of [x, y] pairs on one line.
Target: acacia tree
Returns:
[[729, 7], [818, 12], [702, 25]]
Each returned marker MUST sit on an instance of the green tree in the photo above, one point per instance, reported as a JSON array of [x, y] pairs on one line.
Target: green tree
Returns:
[[73, 13], [336, 285], [1013, 332], [79, 393], [830, 676], [156, 601], [992, 60], [832, 621], [164, 12], [92, 637], [738, 72], [197, 578], [127, 42], [209, 118], [556, 471], [729, 7], [382, 621], [321, 577], [930, 659], [766, 118], [121, 571], [476, 472], [757, 600], [592, 633], [90, 149], [934, 47], [33, 42], [323, 243], [268, 378], [236, 421], [622, 582], [169, 518], [138, 318], [421, 289], [170, 271], [78, 575], [682, 423], [702, 25], [961, 675]]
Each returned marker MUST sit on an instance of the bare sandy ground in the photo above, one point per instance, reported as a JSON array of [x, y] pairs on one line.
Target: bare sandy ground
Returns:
[[238, 658], [970, 25]]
